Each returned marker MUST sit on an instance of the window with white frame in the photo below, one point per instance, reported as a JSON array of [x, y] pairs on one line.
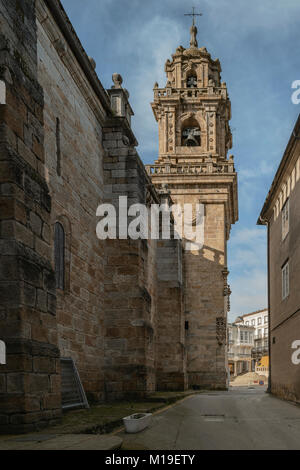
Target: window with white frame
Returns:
[[285, 219], [259, 321], [253, 322], [285, 280], [266, 319]]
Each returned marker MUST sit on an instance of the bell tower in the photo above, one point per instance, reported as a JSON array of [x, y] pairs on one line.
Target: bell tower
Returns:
[[193, 112]]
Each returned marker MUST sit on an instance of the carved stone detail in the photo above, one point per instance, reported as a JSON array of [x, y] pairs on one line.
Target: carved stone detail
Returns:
[[220, 330]]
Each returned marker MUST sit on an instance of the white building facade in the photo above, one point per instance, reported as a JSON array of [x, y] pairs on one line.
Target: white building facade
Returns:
[[240, 346], [258, 320]]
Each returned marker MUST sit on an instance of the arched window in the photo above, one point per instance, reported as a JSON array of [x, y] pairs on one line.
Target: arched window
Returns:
[[59, 255], [190, 133]]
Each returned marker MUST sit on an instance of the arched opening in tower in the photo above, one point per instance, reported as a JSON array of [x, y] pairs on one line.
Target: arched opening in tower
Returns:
[[191, 133], [191, 81]]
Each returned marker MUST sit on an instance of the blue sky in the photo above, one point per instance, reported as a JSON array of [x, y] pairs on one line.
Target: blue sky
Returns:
[[257, 43]]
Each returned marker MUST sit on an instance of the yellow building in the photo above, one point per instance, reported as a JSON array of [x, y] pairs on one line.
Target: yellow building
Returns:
[[262, 366]]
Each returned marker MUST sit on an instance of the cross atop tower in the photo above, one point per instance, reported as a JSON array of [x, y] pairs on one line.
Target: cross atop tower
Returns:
[[193, 30], [193, 14]]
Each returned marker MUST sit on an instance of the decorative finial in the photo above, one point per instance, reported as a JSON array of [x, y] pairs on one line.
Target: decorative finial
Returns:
[[193, 30], [93, 63], [118, 80]]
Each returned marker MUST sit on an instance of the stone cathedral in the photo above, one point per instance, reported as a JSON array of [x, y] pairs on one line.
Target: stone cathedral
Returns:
[[131, 316]]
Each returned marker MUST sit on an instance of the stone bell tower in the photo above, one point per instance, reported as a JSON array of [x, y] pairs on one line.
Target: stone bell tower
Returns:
[[193, 112]]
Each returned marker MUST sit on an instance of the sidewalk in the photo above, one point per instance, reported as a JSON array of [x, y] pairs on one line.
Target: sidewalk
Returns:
[[87, 429], [41, 441]]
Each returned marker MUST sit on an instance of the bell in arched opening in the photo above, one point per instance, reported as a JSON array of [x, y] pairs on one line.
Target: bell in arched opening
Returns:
[[191, 137], [191, 81]]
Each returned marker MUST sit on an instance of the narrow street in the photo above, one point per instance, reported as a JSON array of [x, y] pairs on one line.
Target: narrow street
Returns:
[[240, 419]]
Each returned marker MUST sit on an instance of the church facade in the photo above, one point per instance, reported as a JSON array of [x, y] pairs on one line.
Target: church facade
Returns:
[[135, 315]]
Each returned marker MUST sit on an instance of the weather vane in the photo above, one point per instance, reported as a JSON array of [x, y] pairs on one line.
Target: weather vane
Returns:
[[193, 41]]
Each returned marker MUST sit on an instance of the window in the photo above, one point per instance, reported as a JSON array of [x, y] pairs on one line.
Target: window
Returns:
[[58, 152], [266, 319], [59, 255], [285, 280], [265, 331], [259, 321], [247, 323], [259, 333], [285, 219], [242, 336], [253, 322]]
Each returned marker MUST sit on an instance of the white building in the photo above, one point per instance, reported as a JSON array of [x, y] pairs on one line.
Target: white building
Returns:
[[240, 346], [259, 320]]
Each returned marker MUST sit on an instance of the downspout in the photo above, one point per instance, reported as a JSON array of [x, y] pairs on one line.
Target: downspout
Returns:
[[269, 389], [262, 221]]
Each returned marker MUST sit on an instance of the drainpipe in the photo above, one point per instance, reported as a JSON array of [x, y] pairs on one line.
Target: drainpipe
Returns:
[[269, 389], [262, 221]]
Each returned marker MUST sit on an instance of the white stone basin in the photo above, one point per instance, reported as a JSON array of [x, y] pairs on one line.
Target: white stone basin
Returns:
[[137, 422]]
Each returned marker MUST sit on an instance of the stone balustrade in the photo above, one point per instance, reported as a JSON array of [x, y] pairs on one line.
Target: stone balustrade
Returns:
[[199, 168], [189, 92]]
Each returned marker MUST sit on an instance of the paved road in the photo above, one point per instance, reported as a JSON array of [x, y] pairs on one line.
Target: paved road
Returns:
[[242, 418]]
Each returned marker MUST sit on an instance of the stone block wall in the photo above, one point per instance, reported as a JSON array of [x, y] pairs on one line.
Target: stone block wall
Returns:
[[128, 284], [29, 381], [170, 322], [76, 188], [205, 306]]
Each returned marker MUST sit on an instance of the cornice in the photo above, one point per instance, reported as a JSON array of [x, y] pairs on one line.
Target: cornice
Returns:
[[62, 36]]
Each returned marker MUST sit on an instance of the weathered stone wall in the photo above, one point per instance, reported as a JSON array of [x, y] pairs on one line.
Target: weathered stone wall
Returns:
[[204, 301], [129, 276], [170, 322], [76, 190], [29, 382]]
